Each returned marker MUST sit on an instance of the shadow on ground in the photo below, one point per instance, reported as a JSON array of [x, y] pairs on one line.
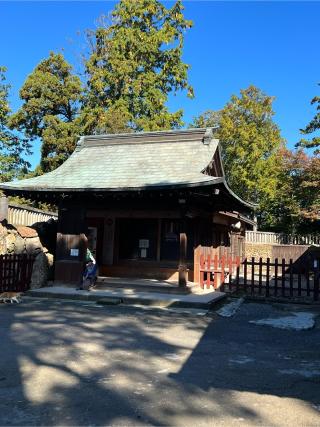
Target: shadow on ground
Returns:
[[76, 365]]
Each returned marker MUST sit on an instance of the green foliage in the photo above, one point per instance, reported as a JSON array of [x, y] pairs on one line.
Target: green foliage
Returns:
[[21, 201], [135, 62], [207, 119], [311, 128], [51, 95], [259, 168], [12, 147], [250, 143], [296, 209]]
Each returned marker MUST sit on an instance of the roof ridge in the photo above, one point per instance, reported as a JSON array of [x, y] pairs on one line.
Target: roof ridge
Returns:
[[148, 133], [204, 135]]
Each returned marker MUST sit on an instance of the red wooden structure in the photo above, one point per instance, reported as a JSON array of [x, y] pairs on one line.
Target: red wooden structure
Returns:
[[215, 270]]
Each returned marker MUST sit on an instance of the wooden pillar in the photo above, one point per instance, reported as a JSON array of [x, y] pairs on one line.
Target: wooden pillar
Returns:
[[159, 240], [183, 273], [71, 244], [108, 240], [196, 264]]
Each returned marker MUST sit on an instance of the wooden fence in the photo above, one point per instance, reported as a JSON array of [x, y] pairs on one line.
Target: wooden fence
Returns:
[[277, 278], [24, 215], [281, 238], [235, 249], [215, 270], [15, 272]]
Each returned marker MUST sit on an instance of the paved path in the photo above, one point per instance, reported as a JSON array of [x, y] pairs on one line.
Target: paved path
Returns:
[[75, 363]]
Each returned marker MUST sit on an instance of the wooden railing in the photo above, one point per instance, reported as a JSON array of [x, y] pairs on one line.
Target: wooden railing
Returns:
[[24, 215], [214, 270], [281, 238], [15, 272]]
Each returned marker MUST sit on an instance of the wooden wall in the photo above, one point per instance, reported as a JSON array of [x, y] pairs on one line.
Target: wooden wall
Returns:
[[288, 251], [71, 244]]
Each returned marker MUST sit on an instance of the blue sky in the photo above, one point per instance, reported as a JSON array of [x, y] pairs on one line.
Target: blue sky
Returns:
[[274, 45]]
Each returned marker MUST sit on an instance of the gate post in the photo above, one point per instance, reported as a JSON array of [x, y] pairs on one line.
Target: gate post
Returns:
[[316, 279], [196, 264], [3, 208]]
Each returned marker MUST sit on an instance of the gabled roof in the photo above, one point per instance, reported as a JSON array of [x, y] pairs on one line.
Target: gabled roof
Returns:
[[134, 161], [131, 161]]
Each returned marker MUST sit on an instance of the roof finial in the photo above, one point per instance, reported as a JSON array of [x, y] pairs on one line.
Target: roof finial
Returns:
[[80, 141], [207, 138]]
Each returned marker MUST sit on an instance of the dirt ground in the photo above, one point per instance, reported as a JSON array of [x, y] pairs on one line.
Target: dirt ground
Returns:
[[71, 363]]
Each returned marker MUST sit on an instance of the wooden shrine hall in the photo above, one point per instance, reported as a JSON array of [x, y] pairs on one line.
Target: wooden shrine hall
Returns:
[[142, 202]]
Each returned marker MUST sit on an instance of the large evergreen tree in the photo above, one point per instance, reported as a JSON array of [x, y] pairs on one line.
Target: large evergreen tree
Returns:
[[12, 147], [312, 128], [250, 142], [134, 64], [51, 96]]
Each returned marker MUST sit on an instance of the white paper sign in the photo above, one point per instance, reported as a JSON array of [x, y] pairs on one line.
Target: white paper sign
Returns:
[[74, 252], [143, 243]]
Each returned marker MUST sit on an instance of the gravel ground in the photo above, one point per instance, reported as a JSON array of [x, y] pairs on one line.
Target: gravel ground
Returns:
[[71, 363]]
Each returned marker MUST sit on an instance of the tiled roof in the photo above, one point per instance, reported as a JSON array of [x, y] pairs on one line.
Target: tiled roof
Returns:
[[131, 161]]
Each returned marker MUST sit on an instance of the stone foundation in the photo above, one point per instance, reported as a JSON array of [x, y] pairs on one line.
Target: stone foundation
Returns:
[[25, 240], [258, 250], [272, 251]]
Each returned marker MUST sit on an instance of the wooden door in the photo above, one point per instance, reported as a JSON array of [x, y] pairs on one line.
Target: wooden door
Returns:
[[95, 237]]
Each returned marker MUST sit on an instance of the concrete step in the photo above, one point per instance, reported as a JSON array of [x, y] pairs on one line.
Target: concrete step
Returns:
[[117, 296], [143, 286]]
